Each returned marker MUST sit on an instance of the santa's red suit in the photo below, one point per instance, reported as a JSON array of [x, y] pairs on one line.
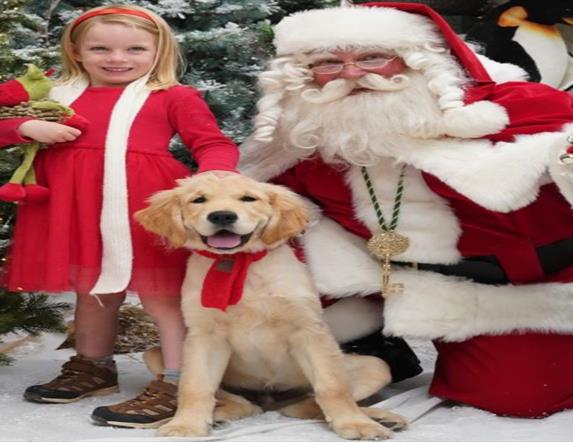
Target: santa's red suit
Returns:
[[490, 227]]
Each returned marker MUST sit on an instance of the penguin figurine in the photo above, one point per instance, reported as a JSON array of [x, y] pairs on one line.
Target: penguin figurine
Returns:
[[536, 35]]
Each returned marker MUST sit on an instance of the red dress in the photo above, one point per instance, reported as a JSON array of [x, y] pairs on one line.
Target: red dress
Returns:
[[57, 244]]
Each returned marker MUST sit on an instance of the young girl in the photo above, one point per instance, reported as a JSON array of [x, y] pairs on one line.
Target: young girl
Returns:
[[119, 72]]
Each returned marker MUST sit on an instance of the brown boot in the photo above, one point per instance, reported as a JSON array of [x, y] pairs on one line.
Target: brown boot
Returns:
[[151, 409], [80, 377]]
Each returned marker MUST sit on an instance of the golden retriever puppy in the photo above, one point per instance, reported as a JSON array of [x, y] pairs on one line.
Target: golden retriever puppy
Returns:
[[258, 325]]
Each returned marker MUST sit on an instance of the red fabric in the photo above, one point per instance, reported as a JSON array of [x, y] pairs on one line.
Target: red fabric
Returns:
[[57, 244], [12, 192], [12, 92], [525, 375], [532, 107], [225, 280], [108, 11], [512, 237]]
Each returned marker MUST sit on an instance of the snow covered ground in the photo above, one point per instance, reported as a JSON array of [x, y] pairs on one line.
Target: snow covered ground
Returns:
[[38, 361]]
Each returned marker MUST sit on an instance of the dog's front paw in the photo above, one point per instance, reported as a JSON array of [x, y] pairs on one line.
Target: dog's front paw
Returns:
[[235, 411], [364, 429], [195, 429], [390, 420]]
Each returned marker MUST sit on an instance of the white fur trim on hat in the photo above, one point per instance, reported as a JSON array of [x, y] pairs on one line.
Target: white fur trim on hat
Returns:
[[325, 29], [502, 72]]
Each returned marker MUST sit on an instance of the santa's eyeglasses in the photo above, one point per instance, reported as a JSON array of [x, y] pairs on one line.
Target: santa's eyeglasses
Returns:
[[336, 66]]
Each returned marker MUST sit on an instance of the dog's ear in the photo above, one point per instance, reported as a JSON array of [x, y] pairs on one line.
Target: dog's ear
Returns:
[[290, 216], [163, 217]]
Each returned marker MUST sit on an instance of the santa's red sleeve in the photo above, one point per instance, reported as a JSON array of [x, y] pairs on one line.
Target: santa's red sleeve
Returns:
[[532, 107]]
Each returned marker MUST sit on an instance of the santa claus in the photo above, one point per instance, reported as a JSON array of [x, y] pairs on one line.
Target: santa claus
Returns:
[[438, 183]]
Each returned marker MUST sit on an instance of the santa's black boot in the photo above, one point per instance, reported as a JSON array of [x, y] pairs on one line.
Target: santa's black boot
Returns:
[[394, 351]]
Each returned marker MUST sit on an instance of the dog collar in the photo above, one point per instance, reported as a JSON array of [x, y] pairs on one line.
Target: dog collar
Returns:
[[225, 280]]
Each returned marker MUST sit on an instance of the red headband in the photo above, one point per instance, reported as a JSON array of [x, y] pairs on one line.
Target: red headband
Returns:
[[108, 11]]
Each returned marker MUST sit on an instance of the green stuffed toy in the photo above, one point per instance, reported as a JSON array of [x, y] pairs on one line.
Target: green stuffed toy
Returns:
[[27, 97]]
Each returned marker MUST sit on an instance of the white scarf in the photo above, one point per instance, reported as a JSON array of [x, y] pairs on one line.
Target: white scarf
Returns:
[[117, 250]]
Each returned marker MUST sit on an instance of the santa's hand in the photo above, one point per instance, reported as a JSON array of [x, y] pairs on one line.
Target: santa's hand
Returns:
[[567, 157], [48, 132]]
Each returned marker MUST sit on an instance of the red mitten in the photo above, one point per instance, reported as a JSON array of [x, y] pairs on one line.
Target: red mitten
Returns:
[[12, 92], [12, 192], [35, 193]]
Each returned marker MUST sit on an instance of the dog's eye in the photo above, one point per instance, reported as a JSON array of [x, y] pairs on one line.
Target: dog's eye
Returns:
[[199, 200], [248, 199]]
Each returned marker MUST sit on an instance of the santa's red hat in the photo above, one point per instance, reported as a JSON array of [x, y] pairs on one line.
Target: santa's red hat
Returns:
[[395, 27], [375, 24]]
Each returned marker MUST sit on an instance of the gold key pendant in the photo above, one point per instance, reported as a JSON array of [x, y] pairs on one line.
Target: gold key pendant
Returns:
[[384, 246]]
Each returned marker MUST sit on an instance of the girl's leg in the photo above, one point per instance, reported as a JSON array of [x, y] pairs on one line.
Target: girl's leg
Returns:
[[158, 403], [96, 324], [92, 372], [166, 312]]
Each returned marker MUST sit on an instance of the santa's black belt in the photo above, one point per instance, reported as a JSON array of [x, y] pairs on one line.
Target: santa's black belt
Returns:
[[553, 258]]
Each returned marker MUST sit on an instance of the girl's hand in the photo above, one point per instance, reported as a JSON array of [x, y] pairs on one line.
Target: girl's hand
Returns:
[[220, 173], [48, 132]]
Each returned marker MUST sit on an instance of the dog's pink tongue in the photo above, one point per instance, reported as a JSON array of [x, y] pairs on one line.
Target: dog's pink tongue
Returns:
[[224, 240]]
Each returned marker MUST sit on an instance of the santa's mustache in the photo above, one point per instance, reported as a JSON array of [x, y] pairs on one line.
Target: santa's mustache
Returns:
[[339, 88]]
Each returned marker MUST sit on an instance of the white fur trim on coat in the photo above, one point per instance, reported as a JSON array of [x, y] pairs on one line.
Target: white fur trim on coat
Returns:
[[326, 29], [433, 305], [502, 176], [117, 252], [338, 261], [421, 211]]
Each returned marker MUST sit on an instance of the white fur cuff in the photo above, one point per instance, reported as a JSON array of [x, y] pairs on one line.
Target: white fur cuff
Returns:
[[436, 306]]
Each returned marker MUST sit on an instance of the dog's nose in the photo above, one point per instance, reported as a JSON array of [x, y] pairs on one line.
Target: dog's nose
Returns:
[[222, 217]]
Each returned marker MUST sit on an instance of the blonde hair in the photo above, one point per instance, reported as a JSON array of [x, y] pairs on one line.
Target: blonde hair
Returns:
[[168, 59]]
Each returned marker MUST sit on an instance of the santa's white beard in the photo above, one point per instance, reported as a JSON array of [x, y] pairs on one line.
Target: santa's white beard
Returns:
[[361, 128]]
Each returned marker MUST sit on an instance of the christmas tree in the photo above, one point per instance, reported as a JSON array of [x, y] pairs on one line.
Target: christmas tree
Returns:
[[226, 44], [21, 37]]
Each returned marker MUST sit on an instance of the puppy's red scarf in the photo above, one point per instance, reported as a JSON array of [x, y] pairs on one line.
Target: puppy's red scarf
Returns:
[[223, 285]]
